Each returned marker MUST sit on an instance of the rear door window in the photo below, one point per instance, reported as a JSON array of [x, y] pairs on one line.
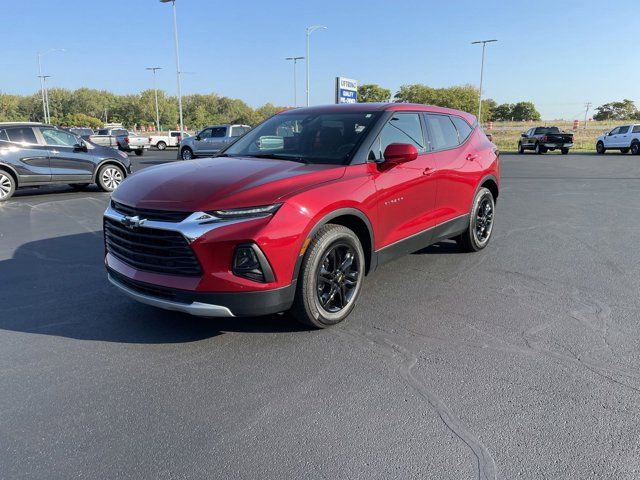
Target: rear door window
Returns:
[[21, 135], [218, 132], [636, 129], [464, 130], [443, 133], [238, 131], [624, 129]]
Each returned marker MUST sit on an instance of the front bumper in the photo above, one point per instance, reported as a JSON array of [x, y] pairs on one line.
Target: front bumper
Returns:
[[207, 304]]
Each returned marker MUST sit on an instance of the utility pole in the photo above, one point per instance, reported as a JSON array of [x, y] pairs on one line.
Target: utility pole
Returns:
[[310, 30], [587, 106], [295, 82], [155, 90], [484, 44], [178, 72]]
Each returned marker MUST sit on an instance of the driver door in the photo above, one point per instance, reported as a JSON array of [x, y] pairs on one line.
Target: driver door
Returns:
[[200, 143], [68, 159], [610, 140]]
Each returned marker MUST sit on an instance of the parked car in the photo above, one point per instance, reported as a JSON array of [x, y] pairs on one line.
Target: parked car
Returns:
[[541, 139], [38, 154], [210, 140], [624, 138], [82, 132], [121, 139], [172, 139], [296, 224]]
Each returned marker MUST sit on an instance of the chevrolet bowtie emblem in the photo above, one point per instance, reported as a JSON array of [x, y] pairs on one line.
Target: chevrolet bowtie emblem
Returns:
[[133, 222]]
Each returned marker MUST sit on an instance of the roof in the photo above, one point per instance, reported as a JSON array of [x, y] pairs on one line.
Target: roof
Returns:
[[377, 107], [21, 123]]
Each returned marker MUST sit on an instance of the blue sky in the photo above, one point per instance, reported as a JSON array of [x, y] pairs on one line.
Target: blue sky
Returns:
[[558, 54]]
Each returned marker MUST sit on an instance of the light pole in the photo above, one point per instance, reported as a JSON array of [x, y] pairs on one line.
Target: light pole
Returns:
[[43, 88], [295, 91], [175, 39], [155, 90], [310, 30], [484, 44]]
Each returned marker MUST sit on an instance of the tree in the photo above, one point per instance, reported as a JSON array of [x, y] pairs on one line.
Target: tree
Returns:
[[80, 120], [624, 110], [525, 111], [461, 97], [503, 112], [372, 92]]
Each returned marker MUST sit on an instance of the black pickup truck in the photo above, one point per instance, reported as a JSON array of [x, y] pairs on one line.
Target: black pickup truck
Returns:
[[541, 139]]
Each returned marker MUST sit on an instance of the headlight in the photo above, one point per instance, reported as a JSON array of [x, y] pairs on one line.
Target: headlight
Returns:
[[248, 212]]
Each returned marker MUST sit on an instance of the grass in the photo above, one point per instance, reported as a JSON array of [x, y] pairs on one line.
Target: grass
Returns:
[[506, 134]]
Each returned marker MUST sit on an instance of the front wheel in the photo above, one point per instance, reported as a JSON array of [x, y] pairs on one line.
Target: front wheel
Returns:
[[520, 148], [186, 153], [161, 146], [635, 148], [480, 228], [330, 278], [539, 149], [140, 152], [564, 151], [600, 148], [109, 177]]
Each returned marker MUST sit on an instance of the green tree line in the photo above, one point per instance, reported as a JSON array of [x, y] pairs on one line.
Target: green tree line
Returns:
[[93, 108]]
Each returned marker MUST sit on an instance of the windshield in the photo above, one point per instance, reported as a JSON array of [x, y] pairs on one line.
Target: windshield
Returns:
[[328, 138]]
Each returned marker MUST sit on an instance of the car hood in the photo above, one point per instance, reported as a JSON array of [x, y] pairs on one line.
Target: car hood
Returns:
[[222, 182]]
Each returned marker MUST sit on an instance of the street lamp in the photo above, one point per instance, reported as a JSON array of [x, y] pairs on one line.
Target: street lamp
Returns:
[[484, 44], [310, 30], [295, 94], [175, 39], [43, 88], [155, 90]]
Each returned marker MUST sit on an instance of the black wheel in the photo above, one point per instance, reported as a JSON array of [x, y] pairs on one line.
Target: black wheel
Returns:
[[564, 151], [331, 277], [600, 148], [539, 148], [635, 148], [109, 177], [7, 186], [161, 146], [520, 148], [481, 218], [79, 186], [624, 150], [140, 152], [186, 154]]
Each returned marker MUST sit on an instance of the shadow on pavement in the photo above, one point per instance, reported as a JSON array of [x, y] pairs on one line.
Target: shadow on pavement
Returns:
[[447, 246], [58, 286]]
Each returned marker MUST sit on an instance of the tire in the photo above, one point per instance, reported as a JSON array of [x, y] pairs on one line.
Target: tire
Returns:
[[539, 149], [7, 185], [161, 146], [109, 177], [635, 148], [520, 148], [187, 154], [481, 219], [79, 186], [624, 150], [330, 278], [140, 152], [600, 148], [564, 151]]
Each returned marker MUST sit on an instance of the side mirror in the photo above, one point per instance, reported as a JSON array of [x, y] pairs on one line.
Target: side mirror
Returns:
[[197, 137], [523, 134], [400, 153]]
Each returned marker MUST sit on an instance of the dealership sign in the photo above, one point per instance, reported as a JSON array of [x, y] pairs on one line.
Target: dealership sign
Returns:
[[346, 90]]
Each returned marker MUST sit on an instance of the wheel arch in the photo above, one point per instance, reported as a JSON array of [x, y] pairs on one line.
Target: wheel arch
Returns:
[[353, 219], [108, 161], [11, 171], [491, 183]]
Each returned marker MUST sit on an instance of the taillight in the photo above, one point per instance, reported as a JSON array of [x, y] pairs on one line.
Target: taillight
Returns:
[[178, 138], [149, 139], [126, 140]]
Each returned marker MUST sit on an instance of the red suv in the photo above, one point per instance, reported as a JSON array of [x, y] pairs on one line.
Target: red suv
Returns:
[[297, 211]]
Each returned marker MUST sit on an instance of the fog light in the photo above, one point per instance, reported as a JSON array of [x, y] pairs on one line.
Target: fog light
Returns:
[[250, 262]]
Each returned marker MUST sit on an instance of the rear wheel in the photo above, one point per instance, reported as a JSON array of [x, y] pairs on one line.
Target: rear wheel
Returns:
[[7, 186], [635, 148], [330, 278], [564, 151], [480, 227], [186, 153], [600, 148], [140, 152], [161, 145], [109, 177]]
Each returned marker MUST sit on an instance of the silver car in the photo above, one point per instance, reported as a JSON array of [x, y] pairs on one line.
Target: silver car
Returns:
[[210, 140]]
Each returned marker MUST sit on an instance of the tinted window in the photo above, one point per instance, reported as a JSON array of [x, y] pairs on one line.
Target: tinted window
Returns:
[[624, 129], [119, 132], [636, 129], [464, 130], [21, 135], [443, 133], [218, 132], [206, 133], [3, 135], [175, 134], [543, 130], [237, 131], [59, 137], [103, 132]]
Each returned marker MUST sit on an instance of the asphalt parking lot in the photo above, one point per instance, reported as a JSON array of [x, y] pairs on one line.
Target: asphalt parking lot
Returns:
[[520, 361]]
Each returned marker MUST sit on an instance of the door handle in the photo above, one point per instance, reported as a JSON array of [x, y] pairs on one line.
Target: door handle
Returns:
[[427, 171], [472, 156]]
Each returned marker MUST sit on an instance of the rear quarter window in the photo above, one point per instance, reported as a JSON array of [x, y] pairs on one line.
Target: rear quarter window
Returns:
[[636, 129], [464, 130], [3, 136]]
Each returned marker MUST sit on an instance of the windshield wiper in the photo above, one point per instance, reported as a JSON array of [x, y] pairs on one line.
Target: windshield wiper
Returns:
[[279, 157]]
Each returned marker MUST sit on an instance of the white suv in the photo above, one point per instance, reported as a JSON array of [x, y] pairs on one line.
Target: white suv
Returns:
[[624, 138]]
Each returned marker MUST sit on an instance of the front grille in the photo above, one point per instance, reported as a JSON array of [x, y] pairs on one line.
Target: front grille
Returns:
[[157, 215], [151, 249]]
